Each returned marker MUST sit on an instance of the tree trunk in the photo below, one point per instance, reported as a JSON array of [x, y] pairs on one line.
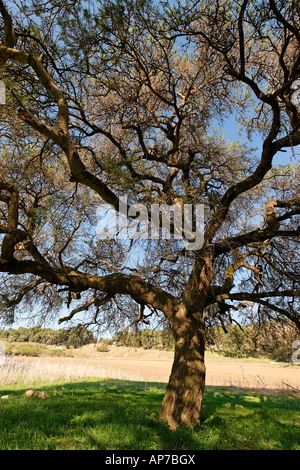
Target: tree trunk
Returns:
[[183, 399]]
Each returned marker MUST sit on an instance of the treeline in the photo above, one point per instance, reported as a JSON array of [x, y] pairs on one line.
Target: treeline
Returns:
[[271, 339], [70, 338], [147, 339], [267, 339]]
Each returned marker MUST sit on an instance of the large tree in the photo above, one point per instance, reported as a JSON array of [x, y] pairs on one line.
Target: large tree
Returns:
[[124, 98]]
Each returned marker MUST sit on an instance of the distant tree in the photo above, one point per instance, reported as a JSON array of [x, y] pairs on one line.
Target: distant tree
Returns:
[[146, 338], [107, 99], [167, 339], [78, 336]]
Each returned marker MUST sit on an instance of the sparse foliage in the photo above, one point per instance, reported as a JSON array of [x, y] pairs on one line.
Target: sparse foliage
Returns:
[[106, 99]]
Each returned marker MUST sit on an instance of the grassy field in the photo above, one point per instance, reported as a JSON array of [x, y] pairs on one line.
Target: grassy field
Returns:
[[110, 414], [120, 412]]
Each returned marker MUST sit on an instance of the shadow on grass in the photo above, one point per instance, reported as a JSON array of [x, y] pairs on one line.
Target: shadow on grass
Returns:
[[116, 414]]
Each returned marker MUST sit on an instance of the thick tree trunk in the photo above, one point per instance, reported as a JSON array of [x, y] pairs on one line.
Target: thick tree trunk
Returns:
[[183, 399]]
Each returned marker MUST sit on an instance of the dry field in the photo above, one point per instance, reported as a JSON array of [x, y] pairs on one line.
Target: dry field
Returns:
[[149, 366]]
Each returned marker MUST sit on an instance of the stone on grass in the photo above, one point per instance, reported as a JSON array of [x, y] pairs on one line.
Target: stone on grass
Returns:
[[31, 393], [34, 393]]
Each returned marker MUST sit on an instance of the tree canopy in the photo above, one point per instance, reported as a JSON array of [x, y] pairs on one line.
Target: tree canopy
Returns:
[[129, 98]]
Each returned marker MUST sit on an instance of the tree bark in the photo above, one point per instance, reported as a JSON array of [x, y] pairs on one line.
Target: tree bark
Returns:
[[183, 398]]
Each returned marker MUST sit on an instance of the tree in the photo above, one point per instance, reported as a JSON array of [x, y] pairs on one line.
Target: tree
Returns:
[[122, 98]]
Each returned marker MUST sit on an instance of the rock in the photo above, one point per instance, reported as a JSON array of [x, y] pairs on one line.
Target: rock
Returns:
[[31, 393], [5, 397], [43, 395], [239, 406], [228, 405]]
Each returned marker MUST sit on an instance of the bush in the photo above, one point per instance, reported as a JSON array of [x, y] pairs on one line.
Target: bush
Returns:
[[20, 349], [103, 345]]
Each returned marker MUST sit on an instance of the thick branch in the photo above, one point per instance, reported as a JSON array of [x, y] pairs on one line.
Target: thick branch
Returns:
[[60, 135], [9, 36], [139, 289], [12, 234]]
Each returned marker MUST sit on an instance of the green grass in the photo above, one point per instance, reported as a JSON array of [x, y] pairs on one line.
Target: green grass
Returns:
[[122, 415]]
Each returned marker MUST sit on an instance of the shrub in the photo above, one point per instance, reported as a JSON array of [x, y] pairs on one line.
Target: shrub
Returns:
[[103, 345], [21, 349]]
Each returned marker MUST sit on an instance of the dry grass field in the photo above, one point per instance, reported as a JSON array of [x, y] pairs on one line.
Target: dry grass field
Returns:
[[149, 366]]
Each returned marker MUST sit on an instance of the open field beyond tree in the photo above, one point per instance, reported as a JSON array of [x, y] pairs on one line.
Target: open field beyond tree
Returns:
[[149, 366], [111, 401]]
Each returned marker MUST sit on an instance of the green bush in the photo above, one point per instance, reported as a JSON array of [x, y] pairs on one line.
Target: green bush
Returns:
[[73, 337], [21, 349]]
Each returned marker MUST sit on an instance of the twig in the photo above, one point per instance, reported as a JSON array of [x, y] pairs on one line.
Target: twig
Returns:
[[294, 388]]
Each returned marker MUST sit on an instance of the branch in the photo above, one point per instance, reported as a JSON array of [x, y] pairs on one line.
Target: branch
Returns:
[[22, 293], [259, 298], [290, 140], [13, 235], [283, 21], [258, 295], [241, 35], [251, 181], [237, 264], [68, 241], [47, 81], [9, 33], [140, 290], [94, 301], [61, 136], [251, 237]]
